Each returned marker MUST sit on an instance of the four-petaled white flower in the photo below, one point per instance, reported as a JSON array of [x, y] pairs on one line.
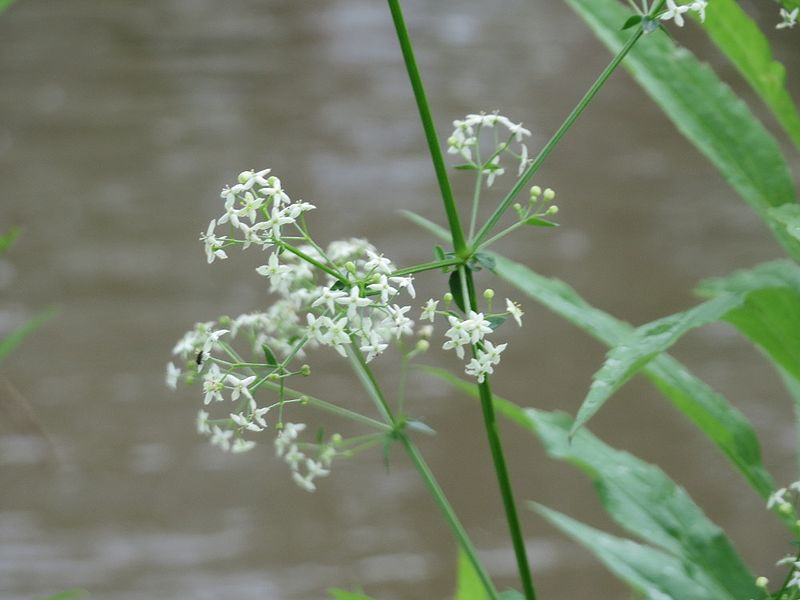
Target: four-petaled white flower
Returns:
[[247, 179], [429, 310], [384, 288], [788, 19], [213, 384], [675, 12], [240, 386], [353, 302], [213, 244], [173, 373]]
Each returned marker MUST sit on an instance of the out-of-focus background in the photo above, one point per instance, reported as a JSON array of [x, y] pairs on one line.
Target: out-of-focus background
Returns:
[[119, 123]]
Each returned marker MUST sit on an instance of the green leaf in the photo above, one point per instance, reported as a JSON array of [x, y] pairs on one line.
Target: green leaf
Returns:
[[345, 595], [466, 167], [645, 502], [644, 344], [426, 224], [770, 315], [269, 356], [468, 584], [703, 109], [454, 282], [485, 260], [13, 339], [787, 216], [741, 39], [438, 252], [657, 575], [4, 4], [634, 20], [708, 410], [496, 321], [537, 222], [8, 238]]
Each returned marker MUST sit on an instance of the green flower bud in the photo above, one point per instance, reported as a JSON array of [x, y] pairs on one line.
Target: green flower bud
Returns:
[[350, 266], [552, 210], [762, 582], [303, 400], [274, 377], [305, 370], [336, 438], [423, 345], [448, 298], [488, 293], [536, 191], [549, 194], [785, 508]]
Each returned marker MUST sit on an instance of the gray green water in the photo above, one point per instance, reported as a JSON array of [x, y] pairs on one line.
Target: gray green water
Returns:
[[119, 122]]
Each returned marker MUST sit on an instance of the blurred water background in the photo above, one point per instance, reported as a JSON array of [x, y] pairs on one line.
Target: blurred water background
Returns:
[[120, 121]]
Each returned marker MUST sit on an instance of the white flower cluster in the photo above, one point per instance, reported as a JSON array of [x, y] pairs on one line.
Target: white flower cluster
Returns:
[[675, 11], [344, 297], [286, 447], [466, 141], [471, 332], [788, 18]]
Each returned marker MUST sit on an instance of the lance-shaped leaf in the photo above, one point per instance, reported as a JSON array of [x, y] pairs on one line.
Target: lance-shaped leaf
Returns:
[[644, 344], [707, 409], [745, 45], [703, 109], [645, 502], [655, 574], [15, 338], [770, 316]]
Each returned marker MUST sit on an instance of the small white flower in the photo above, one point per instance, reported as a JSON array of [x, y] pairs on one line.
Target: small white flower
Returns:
[[240, 445], [353, 302], [304, 482], [373, 346], [173, 373], [294, 457], [406, 283], [515, 311], [328, 296], [492, 170], [221, 437], [699, 6], [491, 353], [337, 335], [397, 323], [213, 244], [274, 191], [315, 325], [384, 288], [212, 340], [777, 498], [675, 12], [476, 326], [378, 263], [202, 422], [277, 219], [244, 423], [274, 271], [247, 179], [429, 310], [788, 19], [250, 206], [315, 469], [212, 385], [240, 386]]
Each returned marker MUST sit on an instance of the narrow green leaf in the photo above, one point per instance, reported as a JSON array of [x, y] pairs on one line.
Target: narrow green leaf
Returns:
[[8, 238], [495, 322], [708, 410], [468, 584], [269, 356], [703, 109], [644, 344], [787, 216], [741, 39], [426, 224], [438, 252], [645, 502], [770, 315], [634, 20], [454, 281], [13, 339], [338, 594], [466, 167], [538, 222], [655, 574], [485, 260]]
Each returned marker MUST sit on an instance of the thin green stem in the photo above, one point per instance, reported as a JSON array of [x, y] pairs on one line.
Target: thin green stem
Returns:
[[429, 266], [548, 148], [459, 244], [315, 262], [369, 382], [503, 479], [476, 200], [500, 235], [449, 514]]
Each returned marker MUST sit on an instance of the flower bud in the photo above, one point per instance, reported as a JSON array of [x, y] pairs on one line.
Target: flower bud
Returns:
[[423, 345], [536, 191], [336, 438], [225, 320], [785, 508], [305, 370], [549, 194], [762, 582], [244, 176], [303, 400], [552, 210], [350, 266], [448, 298], [488, 293], [273, 377]]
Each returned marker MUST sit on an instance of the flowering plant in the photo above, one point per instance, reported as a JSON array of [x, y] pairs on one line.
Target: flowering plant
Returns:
[[349, 297]]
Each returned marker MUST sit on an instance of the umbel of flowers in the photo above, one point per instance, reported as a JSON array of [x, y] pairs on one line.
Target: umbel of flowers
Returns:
[[347, 297]]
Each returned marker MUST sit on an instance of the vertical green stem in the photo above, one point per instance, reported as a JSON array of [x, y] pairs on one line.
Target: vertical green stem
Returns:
[[449, 514], [548, 148], [459, 245]]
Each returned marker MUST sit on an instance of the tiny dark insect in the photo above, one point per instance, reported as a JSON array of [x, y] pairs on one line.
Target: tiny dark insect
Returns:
[[199, 359]]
